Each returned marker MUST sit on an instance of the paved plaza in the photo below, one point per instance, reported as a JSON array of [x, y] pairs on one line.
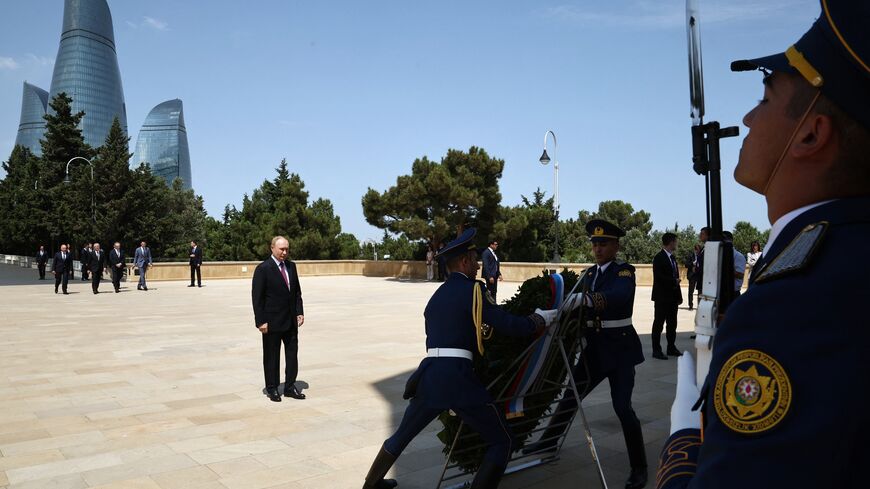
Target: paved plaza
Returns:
[[164, 389]]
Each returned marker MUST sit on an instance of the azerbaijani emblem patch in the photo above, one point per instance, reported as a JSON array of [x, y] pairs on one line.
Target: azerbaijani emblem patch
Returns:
[[753, 392]]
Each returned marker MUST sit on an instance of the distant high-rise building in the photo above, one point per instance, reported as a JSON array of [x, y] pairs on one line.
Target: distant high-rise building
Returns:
[[162, 143], [86, 68], [34, 103]]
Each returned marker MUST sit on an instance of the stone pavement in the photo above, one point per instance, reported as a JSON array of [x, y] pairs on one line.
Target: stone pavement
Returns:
[[163, 389]]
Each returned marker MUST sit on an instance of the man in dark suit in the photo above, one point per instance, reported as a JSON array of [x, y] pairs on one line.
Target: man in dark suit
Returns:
[[96, 265], [85, 259], [61, 267], [195, 264], [41, 261], [116, 263], [667, 295], [491, 271], [278, 314]]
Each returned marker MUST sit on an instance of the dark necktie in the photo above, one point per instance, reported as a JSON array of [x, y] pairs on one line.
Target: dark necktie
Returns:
[[674, 267], [595, 277]]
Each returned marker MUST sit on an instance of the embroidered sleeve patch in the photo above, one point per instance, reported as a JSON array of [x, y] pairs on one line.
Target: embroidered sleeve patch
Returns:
[[624, 273], [678, 460], [752, 393], [797, 254]]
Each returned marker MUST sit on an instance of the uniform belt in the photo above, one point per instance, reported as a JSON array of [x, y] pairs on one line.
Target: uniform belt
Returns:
[[449, 353], [615, 323]]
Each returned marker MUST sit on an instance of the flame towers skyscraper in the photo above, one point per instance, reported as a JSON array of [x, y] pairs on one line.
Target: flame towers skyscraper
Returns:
[[86, 68]]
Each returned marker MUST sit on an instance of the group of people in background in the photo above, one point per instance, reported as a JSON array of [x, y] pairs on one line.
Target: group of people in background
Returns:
[[94, 263]]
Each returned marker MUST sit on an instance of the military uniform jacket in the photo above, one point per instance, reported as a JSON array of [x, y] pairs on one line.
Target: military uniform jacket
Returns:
[[613, 298], [786, 398], [445, 383]]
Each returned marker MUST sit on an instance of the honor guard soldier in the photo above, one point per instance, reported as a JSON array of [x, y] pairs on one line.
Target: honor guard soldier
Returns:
[[459, 316], [785, 401], [613, 347]]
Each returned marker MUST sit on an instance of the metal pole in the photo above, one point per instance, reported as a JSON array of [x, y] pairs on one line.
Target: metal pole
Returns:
[[556, 257]]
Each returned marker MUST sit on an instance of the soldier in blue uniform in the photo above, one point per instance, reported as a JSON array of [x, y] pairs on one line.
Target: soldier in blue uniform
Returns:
[[613, 347], [784, 403], [458, 316]]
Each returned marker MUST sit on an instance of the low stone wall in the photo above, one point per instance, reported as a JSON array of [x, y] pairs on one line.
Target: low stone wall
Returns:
[[416, 270], [513, 272]]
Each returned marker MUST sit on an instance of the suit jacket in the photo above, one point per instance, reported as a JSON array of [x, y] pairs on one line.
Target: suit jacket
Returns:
[[665, 289], [96, 265], [42, 259], [490, 265], [113, 259], [197, 259], [85, 256], [274, 303], [142, 258], [60, 265]]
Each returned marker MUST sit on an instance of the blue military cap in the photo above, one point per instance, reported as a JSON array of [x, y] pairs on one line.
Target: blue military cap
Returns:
[[462, 244], [601, 230], [834, 56]]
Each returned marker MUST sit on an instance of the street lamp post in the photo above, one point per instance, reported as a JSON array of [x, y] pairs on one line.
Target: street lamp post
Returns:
[[67, 180], [545, 159]]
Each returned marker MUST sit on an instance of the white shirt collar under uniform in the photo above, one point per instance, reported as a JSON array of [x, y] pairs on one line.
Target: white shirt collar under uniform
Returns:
[[784, 221]]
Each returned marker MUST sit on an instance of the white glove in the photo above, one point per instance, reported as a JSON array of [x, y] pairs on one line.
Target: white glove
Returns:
[[682, 416], [548, 315]]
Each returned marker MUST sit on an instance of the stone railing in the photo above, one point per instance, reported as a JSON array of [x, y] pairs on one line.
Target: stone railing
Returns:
[[511, 271]]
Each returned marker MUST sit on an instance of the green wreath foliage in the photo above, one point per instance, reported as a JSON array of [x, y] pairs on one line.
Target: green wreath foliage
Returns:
[[499, 355]]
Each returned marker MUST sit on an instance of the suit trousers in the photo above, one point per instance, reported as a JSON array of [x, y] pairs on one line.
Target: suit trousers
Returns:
[[693, 281], [195, 271], [486, 420], [272, 357], [492, 287], [142, 276], [665, 312], [95, 280], [41, 267], [116, 277], [61, 279], [85, 272]]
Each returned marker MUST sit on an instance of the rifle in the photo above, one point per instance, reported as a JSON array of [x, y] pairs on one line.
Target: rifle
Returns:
[[717, 287]]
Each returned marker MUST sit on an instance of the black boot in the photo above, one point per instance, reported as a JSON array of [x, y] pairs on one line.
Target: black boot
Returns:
[[488, 476], [636, 456], [380, 467]]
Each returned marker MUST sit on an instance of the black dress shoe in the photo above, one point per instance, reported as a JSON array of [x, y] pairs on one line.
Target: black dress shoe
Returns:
[[637, 478], [273, 394], [293, 392], [117, 290], [659, 355], [673, 352], [191, 285], [145, 289], [65, 293]]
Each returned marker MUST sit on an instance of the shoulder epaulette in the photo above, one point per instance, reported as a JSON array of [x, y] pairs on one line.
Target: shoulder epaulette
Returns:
[[796, 255]]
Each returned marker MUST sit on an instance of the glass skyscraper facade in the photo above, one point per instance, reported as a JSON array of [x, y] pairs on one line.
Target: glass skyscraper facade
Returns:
[[162, 143], [34, 103], [86, 68]]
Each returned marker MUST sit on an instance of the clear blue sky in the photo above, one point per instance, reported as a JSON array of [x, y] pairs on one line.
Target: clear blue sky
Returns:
[[351, 92]]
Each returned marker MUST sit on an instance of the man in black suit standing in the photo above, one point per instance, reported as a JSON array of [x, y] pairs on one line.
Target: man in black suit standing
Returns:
[[116, 263], [667, 295], [195, 264], [85, 260], [61, 267], [491, 270], [41, 261], [278, 314], [96, 264]]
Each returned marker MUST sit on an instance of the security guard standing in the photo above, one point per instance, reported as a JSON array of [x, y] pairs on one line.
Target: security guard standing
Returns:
[[459, 316], [785, 400], [613, 347]]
